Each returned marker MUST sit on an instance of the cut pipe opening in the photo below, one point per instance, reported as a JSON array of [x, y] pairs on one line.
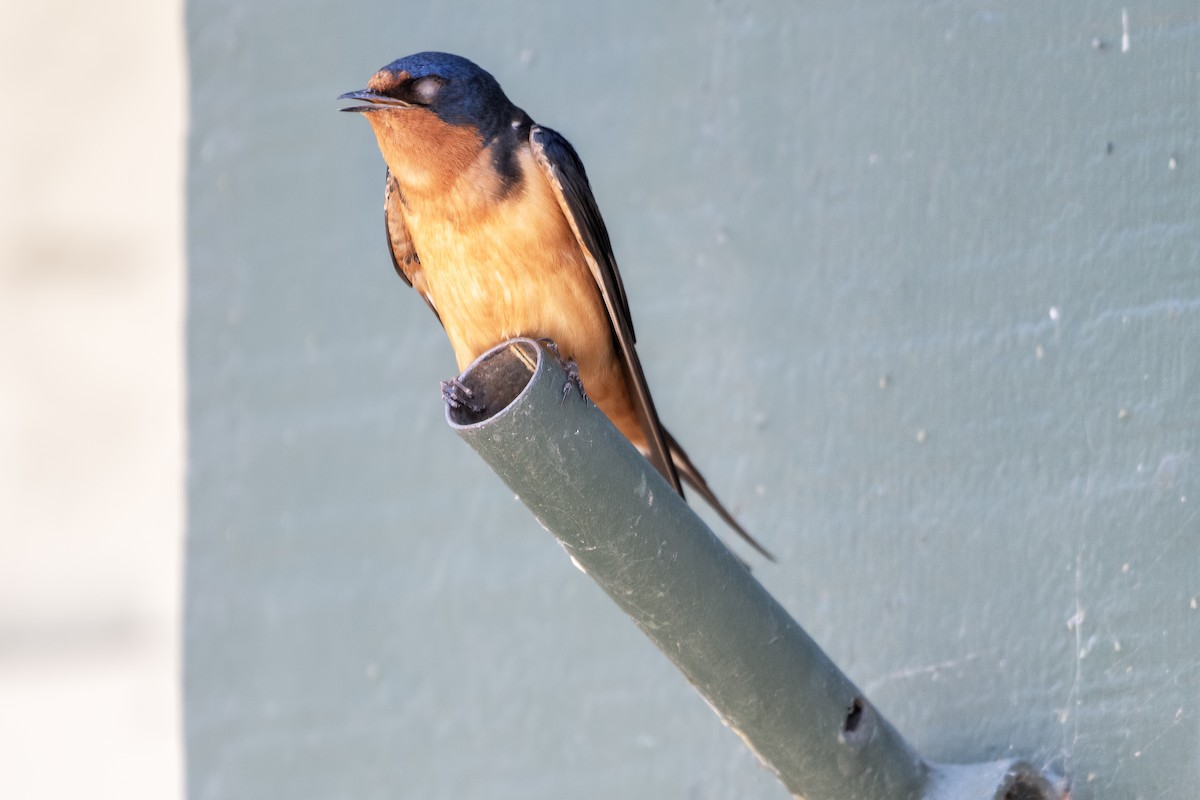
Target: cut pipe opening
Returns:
[[495, 380]]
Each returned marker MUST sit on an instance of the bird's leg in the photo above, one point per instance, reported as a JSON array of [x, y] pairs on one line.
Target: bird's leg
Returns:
[[569, 366], [572, 380], [458, 395]]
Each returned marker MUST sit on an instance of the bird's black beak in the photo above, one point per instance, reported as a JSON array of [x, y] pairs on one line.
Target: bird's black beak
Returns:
[[377, 102]]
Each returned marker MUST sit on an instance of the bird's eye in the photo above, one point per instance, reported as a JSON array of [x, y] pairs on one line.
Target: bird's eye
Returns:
[[424, 90]]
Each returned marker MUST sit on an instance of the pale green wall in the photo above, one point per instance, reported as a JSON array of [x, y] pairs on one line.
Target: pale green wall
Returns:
[[918, 285]]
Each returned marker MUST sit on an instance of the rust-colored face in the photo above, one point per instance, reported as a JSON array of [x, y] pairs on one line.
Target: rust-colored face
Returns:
[[387, 82], [423, 151]]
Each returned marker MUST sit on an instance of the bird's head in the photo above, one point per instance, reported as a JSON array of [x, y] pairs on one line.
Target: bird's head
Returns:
[[431, 112]]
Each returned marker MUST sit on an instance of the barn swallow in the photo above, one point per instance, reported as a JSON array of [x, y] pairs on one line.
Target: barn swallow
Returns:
[[490, 217]]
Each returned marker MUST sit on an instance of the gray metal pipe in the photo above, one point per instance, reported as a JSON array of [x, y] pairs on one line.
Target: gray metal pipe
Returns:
[[623, 525]]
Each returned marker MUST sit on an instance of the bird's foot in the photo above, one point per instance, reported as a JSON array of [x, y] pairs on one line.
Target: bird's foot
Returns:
[[458, 395], [573, 380], [570, 367]]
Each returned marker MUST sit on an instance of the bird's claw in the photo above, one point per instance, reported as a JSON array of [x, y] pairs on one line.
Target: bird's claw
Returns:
[[573, 381], [458, 395], [570, 367]]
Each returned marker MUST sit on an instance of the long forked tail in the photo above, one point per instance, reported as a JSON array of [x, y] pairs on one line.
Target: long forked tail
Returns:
[[692, 477]]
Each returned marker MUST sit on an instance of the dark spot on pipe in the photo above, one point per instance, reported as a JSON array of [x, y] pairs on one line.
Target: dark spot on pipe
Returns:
[[853, 716], [1025, 787]]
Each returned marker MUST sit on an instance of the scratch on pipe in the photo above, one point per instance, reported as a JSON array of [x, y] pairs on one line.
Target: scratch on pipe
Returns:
[[1170, 540], [1074, 701]]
